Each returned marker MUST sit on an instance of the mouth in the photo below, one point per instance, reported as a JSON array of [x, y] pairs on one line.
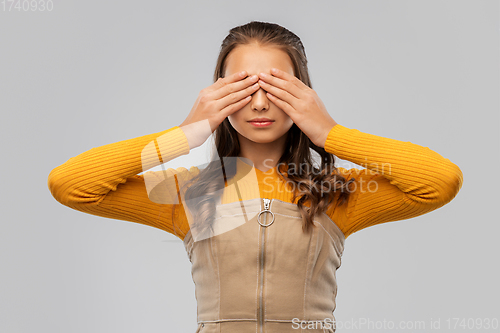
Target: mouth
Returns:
[[261, 122]]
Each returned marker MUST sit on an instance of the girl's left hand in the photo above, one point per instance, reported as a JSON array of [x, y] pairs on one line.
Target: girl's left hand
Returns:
[[301, 103]]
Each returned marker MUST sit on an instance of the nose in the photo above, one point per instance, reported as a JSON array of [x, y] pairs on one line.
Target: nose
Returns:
[[259, 101]]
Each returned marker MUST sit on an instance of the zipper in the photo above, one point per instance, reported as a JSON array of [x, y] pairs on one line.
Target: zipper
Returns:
[[267, 205]]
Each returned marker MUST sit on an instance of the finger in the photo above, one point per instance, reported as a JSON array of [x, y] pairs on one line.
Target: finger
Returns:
[[280, 93], [222, 81], [232, 108], [282, 83], [236, 96], [233, 87], [275, 72], [287, 108]]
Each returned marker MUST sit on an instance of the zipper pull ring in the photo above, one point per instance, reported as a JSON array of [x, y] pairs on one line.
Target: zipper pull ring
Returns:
[[267, 203]]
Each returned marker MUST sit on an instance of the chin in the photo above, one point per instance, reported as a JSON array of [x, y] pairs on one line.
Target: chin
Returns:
[[261, 141], [254, 137]]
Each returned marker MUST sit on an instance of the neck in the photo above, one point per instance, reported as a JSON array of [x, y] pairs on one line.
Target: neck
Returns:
[[264, 156]]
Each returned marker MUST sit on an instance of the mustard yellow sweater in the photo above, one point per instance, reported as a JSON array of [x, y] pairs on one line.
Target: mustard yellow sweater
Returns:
[[407, 180]]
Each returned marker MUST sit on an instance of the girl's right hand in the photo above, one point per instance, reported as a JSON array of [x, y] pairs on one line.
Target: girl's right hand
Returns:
[[226, 96]]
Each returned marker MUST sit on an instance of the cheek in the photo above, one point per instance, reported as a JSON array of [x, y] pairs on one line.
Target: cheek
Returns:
[[235, 118], [286, 119], [289, 124]]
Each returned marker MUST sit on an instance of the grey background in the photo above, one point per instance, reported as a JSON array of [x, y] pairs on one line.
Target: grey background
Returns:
[[89, 73]]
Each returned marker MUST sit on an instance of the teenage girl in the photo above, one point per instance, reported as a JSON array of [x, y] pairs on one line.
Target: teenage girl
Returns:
[[263, 225]]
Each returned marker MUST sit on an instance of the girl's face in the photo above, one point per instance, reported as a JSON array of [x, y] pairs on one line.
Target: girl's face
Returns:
[[254, 60]]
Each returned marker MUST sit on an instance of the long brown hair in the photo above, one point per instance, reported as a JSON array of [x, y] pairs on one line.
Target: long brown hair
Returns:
[[201, 190]]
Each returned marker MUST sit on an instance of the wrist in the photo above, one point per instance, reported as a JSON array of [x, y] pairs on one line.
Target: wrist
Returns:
[[327, 131], [197, 133]]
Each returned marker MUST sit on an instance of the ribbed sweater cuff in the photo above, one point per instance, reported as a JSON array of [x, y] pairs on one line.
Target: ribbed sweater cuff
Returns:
[[168, 145]]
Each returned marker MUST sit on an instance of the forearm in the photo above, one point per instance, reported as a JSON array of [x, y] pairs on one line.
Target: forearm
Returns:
[[90, 175], [418, 171]]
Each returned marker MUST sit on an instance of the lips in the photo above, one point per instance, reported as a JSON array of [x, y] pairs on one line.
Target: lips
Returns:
[[260, 120]]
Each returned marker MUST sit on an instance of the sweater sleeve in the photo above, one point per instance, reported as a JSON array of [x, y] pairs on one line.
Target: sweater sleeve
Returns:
[[104, 181], [401, 180]]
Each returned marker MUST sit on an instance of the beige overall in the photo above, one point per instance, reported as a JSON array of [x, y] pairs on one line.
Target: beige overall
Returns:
[[266, 275]]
